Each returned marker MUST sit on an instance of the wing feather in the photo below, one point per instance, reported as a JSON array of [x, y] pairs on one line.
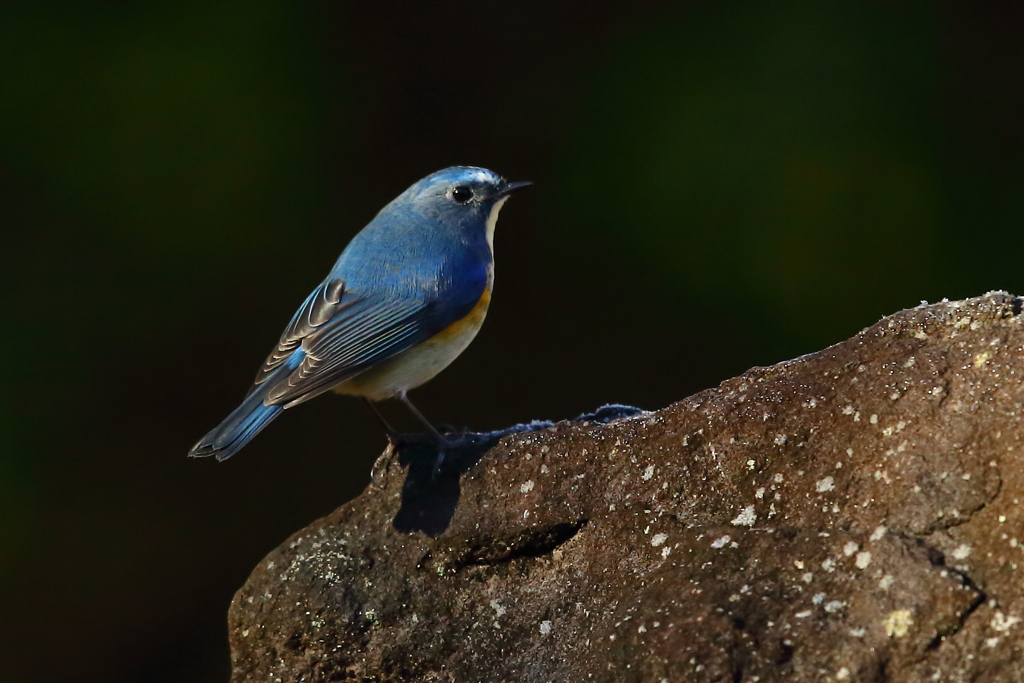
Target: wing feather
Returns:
[[355, 339], [318, 308]]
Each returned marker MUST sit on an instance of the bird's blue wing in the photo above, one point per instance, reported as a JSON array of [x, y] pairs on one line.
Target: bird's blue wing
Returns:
[[357, 338]]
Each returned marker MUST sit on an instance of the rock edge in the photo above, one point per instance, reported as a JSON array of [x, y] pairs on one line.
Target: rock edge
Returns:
[[850, 515]]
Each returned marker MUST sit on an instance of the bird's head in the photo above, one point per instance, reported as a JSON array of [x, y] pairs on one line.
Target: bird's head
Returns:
[[465, 198]]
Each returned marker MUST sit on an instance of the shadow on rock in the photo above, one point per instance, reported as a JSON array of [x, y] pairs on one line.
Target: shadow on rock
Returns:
[[430, 493]]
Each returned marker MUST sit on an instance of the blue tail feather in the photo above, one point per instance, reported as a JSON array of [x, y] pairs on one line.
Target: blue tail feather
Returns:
[[243, 423]]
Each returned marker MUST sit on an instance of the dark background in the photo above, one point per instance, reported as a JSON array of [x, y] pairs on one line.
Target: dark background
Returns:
[[718, 185]]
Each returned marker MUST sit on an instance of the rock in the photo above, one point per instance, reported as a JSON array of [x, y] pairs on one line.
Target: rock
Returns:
[[850, 515]]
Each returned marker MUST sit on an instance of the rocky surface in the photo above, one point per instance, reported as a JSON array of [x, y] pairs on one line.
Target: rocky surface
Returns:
[[851, 515]]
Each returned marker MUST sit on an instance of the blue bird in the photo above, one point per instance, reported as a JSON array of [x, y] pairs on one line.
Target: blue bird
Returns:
[[405, 298]]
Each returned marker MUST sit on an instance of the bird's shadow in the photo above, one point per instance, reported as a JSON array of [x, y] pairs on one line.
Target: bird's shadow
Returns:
[[430, 493]]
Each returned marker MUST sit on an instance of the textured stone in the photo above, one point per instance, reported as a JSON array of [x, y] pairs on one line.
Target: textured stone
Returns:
[[852, 514]]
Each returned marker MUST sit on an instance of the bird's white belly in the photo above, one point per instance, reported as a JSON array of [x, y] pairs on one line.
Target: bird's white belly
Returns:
[[419, 364]]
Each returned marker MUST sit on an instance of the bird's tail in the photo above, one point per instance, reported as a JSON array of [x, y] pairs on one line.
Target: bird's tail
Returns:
[[239, 427]]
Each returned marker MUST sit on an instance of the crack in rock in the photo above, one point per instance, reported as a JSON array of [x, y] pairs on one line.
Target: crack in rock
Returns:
[[530, 543]]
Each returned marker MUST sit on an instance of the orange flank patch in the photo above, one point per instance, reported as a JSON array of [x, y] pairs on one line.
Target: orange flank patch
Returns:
[[470, 323]]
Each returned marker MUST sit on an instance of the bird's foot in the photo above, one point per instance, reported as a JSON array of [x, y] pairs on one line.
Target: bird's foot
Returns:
[[400, 441], [454, 440], [447, 448]]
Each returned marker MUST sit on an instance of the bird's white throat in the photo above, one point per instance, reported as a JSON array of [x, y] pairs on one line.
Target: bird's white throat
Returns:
[[492, 220]]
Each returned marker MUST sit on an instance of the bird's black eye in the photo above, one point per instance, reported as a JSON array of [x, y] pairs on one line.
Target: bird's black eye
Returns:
[[462, 194]]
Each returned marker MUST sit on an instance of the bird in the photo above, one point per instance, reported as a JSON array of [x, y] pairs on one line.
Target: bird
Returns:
[[405, 298]]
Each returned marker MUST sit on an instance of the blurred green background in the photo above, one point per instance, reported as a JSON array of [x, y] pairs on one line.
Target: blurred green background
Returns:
[[718, 185]]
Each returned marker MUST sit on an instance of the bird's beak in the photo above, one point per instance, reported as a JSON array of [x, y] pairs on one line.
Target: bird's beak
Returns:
[[508, 188]]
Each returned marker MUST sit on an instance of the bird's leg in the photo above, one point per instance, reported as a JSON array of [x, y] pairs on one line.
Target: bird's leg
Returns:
[[441, 441], [388, 429], [396, 438]]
